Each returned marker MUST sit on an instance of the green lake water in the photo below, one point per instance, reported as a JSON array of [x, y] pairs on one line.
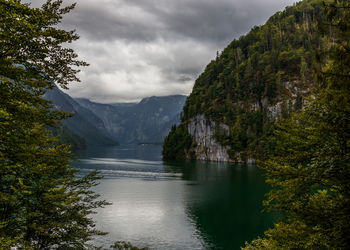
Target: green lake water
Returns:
[[175, 205]]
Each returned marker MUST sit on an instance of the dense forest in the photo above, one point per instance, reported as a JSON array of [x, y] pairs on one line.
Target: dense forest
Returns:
[[309, 169], [284, 91], [258, 79], [43, 204]]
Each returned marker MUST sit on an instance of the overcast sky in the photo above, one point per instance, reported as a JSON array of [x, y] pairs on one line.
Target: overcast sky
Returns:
[[141, 48]]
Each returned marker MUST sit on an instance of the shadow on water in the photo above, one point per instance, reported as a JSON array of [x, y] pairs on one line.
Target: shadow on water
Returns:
[[176, 205], [225, 202]]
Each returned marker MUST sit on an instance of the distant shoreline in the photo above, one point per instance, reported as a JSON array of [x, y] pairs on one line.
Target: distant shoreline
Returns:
[[149, 143]]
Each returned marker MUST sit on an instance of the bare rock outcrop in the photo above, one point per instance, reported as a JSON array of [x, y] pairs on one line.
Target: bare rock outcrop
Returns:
[[202, 130]]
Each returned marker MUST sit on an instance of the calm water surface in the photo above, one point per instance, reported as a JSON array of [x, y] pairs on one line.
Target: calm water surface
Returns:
[[178, 205]]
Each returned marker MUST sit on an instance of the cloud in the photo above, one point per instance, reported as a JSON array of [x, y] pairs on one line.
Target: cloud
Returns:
[[141, 70], [140, 48]]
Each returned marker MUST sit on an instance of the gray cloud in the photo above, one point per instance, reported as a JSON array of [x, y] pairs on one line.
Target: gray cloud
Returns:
[[140, 48], [216, 21]]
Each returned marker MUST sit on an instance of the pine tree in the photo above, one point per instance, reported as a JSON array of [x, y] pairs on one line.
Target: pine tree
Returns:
[[310, 170], [43, 205]]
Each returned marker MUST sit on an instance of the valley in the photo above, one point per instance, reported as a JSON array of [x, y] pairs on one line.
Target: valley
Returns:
[[97, 124]]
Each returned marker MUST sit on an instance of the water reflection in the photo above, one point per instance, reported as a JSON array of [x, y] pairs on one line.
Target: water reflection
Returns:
[[182, 205], [224, 201]]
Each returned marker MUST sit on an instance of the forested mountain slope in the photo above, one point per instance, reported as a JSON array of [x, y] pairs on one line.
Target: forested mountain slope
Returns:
[[84, 127], [255, 81]]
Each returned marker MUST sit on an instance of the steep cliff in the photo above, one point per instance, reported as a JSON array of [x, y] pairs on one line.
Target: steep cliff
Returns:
[[257, 80], [207, 148], [84, 127]]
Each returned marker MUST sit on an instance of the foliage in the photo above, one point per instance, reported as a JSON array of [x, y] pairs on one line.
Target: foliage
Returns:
[[121, 245], [43, 205], [66, 136], [178, 144], [310, 169], [268, 69]]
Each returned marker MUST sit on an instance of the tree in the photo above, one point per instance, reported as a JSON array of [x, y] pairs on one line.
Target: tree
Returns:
[[177, 145], [43, 205], [122, 245], [260, 70], [310, 169]]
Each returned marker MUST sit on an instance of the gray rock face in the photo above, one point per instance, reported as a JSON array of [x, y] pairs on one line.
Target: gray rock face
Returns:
[[208, 149], [203, 129]]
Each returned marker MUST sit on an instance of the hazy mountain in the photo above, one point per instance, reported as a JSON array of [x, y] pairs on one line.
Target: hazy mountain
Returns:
[[84, 124], [148, 121]]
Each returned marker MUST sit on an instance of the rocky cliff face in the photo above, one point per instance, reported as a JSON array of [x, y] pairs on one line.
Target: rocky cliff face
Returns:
[[256, 80], [207, 148]]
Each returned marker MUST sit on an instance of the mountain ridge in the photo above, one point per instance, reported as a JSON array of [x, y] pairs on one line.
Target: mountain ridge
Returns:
[[83, 123], [257, 79], [147, 121]]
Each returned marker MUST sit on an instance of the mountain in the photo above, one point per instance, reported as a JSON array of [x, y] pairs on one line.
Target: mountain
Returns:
[[84, 127], [148, 121], [256, 80]]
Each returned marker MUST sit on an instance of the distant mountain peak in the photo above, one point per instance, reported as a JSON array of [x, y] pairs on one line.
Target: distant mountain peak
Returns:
[[146, 121], [84, 123]]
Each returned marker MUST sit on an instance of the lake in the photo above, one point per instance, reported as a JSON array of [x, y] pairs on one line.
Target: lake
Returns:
[[175, 205]]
